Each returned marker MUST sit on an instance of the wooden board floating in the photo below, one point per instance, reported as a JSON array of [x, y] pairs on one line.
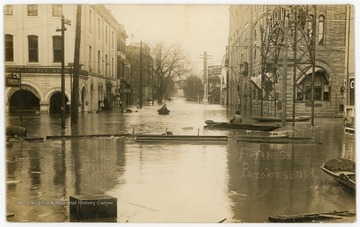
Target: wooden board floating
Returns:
[[278, 119], [183, 138], [210, 124], [88, 136]]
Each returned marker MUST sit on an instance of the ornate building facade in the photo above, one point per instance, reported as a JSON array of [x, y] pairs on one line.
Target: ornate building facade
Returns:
[[33, 50]]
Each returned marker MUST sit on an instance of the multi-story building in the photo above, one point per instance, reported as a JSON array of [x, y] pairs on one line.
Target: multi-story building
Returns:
[[271, 73], [141, 75], [214, 86], [33, 49], [124, 89]]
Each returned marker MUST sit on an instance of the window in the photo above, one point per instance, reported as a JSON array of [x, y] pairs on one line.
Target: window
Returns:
[[90, 18], [106, 65], [33, 48], [90, 63], [321, 30], [106, 34], [321, 88], [8, 10], [112, 40], [57, 48], [98, 61], [310, 27], [98, 28], [9, 48], [32, 10], [57, 10]]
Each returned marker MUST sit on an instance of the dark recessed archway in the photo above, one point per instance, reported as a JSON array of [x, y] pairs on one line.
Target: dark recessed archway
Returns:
[[24, 100], [55, 104]]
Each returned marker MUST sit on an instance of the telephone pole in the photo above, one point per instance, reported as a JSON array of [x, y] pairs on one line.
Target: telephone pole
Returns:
[[206, 77], [63, 105], [285, 67], [75, 88], [141, 76]]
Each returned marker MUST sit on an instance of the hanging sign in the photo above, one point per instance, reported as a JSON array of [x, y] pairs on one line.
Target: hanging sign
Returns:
[[13, 80]]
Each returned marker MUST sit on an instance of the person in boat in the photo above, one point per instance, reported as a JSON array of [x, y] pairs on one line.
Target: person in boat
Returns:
[[236, 119], [163, 109]]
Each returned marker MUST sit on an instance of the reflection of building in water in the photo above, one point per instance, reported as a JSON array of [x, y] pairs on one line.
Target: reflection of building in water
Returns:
[[266, 180], [95, 165], [48, 173], [348, 148]]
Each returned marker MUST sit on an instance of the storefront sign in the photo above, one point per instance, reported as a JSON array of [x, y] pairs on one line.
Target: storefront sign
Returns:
[[45, 70], [126, 91], [352, 91], [13, 80]]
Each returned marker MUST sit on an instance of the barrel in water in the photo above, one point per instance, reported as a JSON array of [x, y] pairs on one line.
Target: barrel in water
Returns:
[[16, 131]]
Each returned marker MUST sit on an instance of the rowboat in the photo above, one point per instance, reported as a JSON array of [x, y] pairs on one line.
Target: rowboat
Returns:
[[210, 124], [163, 112], [333, 216], [278, 119], [180, 138], [342, 170]]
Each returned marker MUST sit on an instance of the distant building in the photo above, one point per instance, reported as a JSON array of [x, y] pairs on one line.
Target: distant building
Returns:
[[259, 67], [33, 47], [141, 74], [123, 86], [214, 74]]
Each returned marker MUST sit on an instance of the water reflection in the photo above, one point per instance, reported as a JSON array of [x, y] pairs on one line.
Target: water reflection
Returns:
[[167, 182], [173, 183], [267, 180]]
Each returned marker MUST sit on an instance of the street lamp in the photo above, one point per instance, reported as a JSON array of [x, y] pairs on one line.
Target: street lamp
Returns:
[[62, 30]]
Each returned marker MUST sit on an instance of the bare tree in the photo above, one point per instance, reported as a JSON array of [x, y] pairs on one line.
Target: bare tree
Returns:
[[169, 65]]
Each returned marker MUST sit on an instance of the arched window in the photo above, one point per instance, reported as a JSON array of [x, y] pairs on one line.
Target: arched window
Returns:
[[57, 48], [321, 30], [321, 87], [9, 48], [33, 48]]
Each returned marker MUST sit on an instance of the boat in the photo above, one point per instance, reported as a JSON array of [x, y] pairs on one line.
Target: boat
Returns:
[[180, 138], [210, 124], [163, 111], [279, 133], [342, 170], [278, 119], [278, 139], [333, 216]]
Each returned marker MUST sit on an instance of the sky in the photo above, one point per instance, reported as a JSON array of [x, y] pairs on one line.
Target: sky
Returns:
[[197, 28]]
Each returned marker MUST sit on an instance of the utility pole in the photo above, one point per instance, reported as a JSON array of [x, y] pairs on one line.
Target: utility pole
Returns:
[[206, 77], [295, 63], [75, 93], [63, 107], [285, 66], [123, 85], [141, 76], [313, 39]]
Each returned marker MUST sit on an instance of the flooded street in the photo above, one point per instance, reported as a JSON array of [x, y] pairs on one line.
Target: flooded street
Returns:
[[173, 182]]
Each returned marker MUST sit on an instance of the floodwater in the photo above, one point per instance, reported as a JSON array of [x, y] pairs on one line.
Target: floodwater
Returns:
[[173, 182]]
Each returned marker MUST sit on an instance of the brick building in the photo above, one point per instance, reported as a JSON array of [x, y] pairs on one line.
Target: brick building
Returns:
[[140, 75], [270, 59]]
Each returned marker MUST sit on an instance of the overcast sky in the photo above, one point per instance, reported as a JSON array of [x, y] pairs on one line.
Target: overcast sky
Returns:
[[197, 28]]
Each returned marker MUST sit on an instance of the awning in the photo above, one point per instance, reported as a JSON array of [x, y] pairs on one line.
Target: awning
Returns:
[[257, 79]]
